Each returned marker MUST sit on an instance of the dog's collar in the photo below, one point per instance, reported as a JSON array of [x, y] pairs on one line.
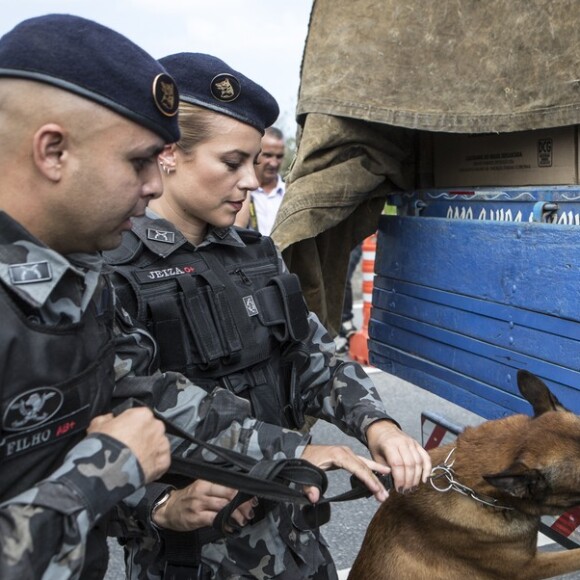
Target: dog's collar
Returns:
[[445, 472]]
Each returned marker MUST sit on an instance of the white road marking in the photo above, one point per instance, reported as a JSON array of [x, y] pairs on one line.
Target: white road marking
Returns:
[[544, 540]]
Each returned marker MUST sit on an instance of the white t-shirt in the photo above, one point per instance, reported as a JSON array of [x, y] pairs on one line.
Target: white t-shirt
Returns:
[[266, 206]]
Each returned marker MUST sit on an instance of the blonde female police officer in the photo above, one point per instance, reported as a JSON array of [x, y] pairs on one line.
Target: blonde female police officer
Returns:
[[83, 115], [226, 313]]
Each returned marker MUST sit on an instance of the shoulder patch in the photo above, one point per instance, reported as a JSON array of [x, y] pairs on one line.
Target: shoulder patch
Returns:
[[30, 272], [32, 408]]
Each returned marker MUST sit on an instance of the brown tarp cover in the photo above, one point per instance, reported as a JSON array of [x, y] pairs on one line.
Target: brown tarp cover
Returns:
[[375, 72]]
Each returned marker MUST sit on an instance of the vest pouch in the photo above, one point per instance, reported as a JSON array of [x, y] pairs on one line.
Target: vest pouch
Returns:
[[242, 382], [282, 307], [265, 387], [210, 320], [166, 327]]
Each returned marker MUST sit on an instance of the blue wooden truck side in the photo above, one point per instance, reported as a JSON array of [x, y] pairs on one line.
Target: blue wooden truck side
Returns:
[[461, 301]]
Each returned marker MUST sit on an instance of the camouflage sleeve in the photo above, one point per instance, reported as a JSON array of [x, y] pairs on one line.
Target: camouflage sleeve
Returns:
[[218, 416], [43, 531], [336, 390]]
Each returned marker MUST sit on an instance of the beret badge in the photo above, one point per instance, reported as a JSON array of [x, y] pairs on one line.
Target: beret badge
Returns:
[[208, 82], [225, 87], [165, 94]]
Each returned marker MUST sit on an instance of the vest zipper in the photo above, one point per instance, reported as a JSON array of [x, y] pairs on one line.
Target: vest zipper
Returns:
[[243, 276]]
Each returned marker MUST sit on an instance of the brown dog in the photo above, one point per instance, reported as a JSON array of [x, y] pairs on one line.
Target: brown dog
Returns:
[[513, 470]]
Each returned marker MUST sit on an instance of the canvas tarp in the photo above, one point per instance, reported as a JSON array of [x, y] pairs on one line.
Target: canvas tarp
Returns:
[[373, 73]]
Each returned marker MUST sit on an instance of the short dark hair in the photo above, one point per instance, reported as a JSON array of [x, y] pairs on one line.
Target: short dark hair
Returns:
[[274, 132]]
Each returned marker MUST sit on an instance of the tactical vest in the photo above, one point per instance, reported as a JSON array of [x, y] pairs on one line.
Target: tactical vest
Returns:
[[220, 314], [54, 380]]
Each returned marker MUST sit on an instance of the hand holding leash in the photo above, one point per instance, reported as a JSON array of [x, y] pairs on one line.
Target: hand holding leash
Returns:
[[197, 506], [300, 481]]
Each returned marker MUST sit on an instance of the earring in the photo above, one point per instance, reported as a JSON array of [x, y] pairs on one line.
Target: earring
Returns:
[[165, 169]]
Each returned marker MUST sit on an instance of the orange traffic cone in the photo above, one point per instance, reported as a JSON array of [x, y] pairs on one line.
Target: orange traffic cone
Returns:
[[358, 346]]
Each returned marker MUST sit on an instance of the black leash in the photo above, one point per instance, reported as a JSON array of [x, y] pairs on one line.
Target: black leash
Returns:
[[279, 480]]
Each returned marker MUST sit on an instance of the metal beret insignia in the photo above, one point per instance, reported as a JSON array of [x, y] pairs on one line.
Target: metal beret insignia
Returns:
[[165, 94], [225, 87]]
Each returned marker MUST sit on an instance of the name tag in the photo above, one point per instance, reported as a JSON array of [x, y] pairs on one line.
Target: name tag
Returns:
[[23, 442], [154, 275]]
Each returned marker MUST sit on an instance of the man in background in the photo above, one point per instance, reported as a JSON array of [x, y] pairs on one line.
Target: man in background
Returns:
[[261, 207]]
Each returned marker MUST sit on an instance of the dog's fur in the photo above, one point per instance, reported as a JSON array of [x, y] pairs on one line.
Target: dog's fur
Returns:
[[529, 464]]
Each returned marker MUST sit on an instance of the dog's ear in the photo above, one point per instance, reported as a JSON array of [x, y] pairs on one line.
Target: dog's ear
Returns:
[[519, 481], [537, 394]]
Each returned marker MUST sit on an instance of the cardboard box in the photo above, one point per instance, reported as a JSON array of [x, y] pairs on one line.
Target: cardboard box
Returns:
[[540, 157]]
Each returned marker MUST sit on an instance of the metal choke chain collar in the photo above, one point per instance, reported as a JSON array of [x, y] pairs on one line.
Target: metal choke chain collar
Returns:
[[443, 479]]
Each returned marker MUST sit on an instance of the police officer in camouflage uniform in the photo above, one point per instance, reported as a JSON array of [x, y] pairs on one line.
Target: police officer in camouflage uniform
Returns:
[[226, 313], [64, 462], [83, 115]]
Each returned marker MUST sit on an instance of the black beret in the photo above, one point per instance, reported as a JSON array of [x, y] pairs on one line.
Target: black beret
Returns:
[[209, 82], [95, 62]]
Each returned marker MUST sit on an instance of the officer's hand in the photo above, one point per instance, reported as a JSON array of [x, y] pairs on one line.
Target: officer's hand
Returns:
[[197, 505], [329, 457], [142, 434], [409, 462]]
